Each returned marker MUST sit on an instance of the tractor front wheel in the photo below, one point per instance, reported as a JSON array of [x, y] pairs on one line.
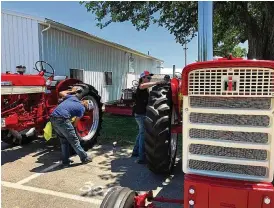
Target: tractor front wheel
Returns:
[[160, 144], [119, 197]]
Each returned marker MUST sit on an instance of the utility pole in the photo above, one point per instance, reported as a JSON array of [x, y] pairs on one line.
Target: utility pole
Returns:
[[185, 48]]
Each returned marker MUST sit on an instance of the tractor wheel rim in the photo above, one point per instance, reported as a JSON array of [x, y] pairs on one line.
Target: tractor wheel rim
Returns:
[[93, 129]]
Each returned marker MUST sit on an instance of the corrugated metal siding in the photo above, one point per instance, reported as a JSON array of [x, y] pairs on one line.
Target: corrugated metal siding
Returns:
[[65, 51], [20, 45]]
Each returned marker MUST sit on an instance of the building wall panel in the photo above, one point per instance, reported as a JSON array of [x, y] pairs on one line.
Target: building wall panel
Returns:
[[64, 51], [20, 45]]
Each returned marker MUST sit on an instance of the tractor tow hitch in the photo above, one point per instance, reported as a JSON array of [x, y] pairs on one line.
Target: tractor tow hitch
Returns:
[[140, 200]]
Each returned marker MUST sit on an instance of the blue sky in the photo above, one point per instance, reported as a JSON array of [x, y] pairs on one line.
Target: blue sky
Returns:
[[158, 41]]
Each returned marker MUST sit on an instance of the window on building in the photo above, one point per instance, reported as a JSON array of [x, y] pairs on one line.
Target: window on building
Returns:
[[108, 78], [77, 74]]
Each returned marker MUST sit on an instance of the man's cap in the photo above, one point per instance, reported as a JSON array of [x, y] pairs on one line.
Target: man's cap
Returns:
[[145, 73]]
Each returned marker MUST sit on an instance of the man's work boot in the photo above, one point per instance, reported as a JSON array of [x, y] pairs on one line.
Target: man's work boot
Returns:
[[87, 160], [66, 165]]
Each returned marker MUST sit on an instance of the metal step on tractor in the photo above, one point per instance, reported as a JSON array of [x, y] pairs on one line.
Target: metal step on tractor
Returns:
[[28, 100], [224, 110]]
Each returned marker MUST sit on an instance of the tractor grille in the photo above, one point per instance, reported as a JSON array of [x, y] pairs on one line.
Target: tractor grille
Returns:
[[248, 137], [229, 119], [228, 168], [127, 94], [231, 102], [200, 149], [246, 81], [229, 133]]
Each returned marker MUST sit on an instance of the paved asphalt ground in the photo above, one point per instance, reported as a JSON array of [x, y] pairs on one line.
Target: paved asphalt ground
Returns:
[[32, 177]]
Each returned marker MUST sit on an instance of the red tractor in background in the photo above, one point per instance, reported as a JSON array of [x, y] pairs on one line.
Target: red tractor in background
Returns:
[[124, 105], [224, 110], [28, 100]]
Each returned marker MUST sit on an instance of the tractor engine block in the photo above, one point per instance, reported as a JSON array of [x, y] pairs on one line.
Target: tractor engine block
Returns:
[[22, 111]]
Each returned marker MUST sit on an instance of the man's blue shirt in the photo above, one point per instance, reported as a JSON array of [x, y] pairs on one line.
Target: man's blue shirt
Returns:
[[69, 108]]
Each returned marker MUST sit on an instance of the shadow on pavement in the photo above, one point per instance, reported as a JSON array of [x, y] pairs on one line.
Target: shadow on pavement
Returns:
[[117, 169], [126, 173], [46, 154]]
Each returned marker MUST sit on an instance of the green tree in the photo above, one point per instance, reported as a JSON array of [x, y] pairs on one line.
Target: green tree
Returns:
[[237, 51], [234, 22]]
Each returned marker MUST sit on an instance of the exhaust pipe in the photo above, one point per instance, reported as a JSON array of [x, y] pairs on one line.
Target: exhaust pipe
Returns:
[[205, 33]]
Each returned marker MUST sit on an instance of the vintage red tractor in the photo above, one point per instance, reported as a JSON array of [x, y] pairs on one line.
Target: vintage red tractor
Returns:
[[124, 105], [224, 110], [28, 100]]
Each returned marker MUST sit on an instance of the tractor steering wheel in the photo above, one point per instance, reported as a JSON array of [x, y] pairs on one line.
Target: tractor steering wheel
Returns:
[[135, 83], [46, 73]]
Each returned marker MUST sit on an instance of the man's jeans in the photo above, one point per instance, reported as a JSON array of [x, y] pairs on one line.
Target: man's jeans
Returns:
[[139, 148], [67, 135]]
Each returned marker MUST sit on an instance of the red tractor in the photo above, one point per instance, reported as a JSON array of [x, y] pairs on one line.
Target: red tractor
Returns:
[[224, 110], [124, 105], [28, 100]]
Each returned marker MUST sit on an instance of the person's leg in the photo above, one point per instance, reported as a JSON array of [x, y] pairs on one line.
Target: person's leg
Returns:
[[69, 132], [65, 150], [135, 151], [141, 139], [63, 142]]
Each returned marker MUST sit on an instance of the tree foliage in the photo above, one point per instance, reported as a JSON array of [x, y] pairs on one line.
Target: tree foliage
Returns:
[[234, 22]]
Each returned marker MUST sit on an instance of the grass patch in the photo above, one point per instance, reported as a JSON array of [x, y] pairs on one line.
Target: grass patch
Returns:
[[122, 129]]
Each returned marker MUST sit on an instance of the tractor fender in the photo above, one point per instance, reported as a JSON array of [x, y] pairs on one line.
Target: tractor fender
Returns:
[[176, 95], [65, 84], [174, 89]]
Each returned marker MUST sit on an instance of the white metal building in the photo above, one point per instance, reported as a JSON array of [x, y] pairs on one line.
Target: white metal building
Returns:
[[169, 71], [108, 66]]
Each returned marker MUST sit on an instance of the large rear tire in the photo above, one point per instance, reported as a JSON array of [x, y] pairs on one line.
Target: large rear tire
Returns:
[[160, 144], [119, 197], [90, 125]]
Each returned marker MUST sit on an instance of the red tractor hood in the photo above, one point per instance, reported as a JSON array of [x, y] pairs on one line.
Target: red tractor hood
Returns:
[[23, 80]]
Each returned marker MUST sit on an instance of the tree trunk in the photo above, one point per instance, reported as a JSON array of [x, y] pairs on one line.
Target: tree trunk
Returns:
[[261, 43]]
